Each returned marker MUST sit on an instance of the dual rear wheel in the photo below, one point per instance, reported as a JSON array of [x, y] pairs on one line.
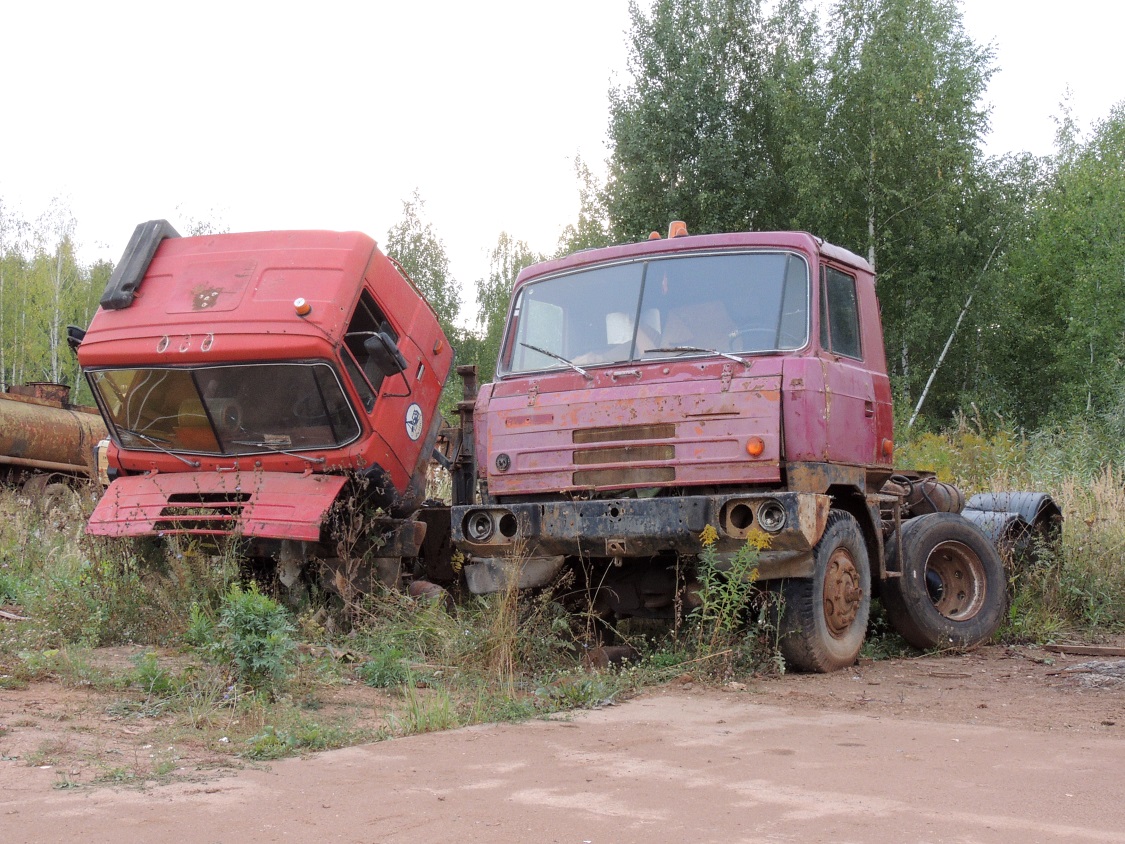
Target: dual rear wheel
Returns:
[[951, 593]]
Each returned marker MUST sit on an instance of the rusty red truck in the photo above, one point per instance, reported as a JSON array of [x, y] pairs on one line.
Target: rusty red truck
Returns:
[[647, 391], [268, 387]]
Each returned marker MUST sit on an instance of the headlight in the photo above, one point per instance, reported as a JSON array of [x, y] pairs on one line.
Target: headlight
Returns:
[[771, 516], [478, 526]]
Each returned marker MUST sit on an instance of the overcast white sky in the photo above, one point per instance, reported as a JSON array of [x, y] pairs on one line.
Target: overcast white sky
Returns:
[[328, 115]]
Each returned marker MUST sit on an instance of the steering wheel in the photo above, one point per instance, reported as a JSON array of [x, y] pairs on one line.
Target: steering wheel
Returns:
[[766, 338], [308, 408]]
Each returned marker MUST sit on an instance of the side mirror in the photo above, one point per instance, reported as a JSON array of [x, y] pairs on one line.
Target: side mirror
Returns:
[[74, 337], [383, 357]]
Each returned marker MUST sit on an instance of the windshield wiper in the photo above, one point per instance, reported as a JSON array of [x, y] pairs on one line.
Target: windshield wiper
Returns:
[[276, 450], [684, 349], [155, 443], [559, 358]]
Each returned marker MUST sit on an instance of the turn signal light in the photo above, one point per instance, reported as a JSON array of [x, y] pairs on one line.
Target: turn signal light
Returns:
[[888, 448], [755, 446]]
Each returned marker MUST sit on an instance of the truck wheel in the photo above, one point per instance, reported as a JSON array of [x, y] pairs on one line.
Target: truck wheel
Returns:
[[953, 589], [824, 618]]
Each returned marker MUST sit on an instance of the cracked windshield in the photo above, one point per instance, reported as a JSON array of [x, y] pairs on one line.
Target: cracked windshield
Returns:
[[227, 409], [728, 304]]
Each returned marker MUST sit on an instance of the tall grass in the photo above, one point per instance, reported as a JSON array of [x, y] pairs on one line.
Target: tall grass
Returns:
[[1078, 586]]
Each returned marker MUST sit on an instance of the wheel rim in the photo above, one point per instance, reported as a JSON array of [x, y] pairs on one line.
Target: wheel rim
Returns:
[[842, 593], [956, 581]]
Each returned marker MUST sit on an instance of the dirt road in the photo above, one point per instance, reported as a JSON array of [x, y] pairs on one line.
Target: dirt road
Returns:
[[999, 746]]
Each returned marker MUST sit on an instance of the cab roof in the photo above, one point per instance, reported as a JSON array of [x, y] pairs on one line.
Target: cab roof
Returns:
[[231, 285]]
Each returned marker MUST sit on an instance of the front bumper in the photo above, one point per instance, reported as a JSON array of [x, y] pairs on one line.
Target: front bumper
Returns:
[[632, 528]]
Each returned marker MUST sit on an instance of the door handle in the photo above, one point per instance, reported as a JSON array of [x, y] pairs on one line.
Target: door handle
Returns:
[[869, 409]]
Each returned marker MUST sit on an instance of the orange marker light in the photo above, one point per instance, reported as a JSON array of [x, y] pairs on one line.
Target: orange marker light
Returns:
[[755, 446], [677, 228], [888, 448], [438, 346], [302, 307], [654, 236]]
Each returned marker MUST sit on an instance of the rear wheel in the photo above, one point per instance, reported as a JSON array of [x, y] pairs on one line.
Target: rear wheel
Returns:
[[953, 589], [824, 618]]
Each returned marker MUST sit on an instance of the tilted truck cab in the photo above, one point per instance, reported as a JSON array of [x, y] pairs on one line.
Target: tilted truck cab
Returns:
[[248, 380], [647, 391]]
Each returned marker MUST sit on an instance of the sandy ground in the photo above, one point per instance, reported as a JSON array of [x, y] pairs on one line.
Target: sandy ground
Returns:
[[1002, 745]]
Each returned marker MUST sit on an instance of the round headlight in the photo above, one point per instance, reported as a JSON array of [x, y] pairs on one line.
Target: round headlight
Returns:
[[771, 516], [478, 526]]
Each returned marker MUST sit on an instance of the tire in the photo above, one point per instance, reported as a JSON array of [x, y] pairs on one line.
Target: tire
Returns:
[[953, 590], [824, 618]]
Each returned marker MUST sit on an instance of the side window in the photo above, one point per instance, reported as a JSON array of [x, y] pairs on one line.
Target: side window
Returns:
[[839, 314], [367, 320]]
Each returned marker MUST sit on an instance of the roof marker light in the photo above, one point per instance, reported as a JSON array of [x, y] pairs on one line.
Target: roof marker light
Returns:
[[302, 307]]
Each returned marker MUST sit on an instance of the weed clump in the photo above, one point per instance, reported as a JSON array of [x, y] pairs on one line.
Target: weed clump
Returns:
[[254, 635]]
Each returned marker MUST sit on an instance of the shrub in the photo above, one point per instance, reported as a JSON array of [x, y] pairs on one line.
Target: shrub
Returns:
[[255, 635]]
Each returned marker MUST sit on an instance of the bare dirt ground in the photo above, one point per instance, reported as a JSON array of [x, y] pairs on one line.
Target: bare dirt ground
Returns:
[[1000, 745]]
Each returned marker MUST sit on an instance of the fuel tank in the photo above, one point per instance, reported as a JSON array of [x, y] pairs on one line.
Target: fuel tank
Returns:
[[41, 430]]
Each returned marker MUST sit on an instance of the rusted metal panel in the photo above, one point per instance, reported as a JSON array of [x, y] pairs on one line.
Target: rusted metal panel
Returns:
[[818, 477], [37, 432], [640, 528], [625, 476], [624, 432], [274, 505], [676, 416], [46, 390]]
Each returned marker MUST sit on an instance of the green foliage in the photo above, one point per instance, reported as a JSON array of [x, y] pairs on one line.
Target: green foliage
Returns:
[[385, 668], [1078, 586], [426, 711], [413, 242], [592, 228], [968, 455], [580, 691], [505, 262], [725, 590], [302, 737], [1059, 344], [151, 677], [705, 130], [255, 636], [42, 290]]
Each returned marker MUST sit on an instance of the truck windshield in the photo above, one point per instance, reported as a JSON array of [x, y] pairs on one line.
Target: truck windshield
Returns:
[[243, 409], [715, 303]]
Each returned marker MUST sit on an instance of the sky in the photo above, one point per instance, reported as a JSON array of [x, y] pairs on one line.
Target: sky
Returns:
[[282, 115]]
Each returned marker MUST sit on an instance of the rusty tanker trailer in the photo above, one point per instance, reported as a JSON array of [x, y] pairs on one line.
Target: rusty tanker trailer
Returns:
[[46, 441]]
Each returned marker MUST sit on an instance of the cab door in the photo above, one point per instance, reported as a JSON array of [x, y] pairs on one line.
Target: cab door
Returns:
[[852, 412]]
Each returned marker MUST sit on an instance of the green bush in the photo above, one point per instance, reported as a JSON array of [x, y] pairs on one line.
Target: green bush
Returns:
[[255, 635], [386, 668]]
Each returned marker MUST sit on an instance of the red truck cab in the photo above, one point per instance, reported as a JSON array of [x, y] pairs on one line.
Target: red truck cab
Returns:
[[647, 390], [246, 378]]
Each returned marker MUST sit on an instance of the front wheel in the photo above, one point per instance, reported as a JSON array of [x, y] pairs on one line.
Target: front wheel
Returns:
[[824, 618], [952, 592]]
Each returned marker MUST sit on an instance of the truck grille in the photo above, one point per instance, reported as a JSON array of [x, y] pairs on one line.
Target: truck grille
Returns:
[[202, 513], [662, 431], [625, 476], [624, 471]]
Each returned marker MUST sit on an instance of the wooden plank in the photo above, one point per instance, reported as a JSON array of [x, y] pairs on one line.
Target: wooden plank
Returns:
[[1085, 650]]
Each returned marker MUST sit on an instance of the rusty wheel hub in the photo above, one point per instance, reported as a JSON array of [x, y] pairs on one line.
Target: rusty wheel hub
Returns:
[[842, 593], [956, 580]]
